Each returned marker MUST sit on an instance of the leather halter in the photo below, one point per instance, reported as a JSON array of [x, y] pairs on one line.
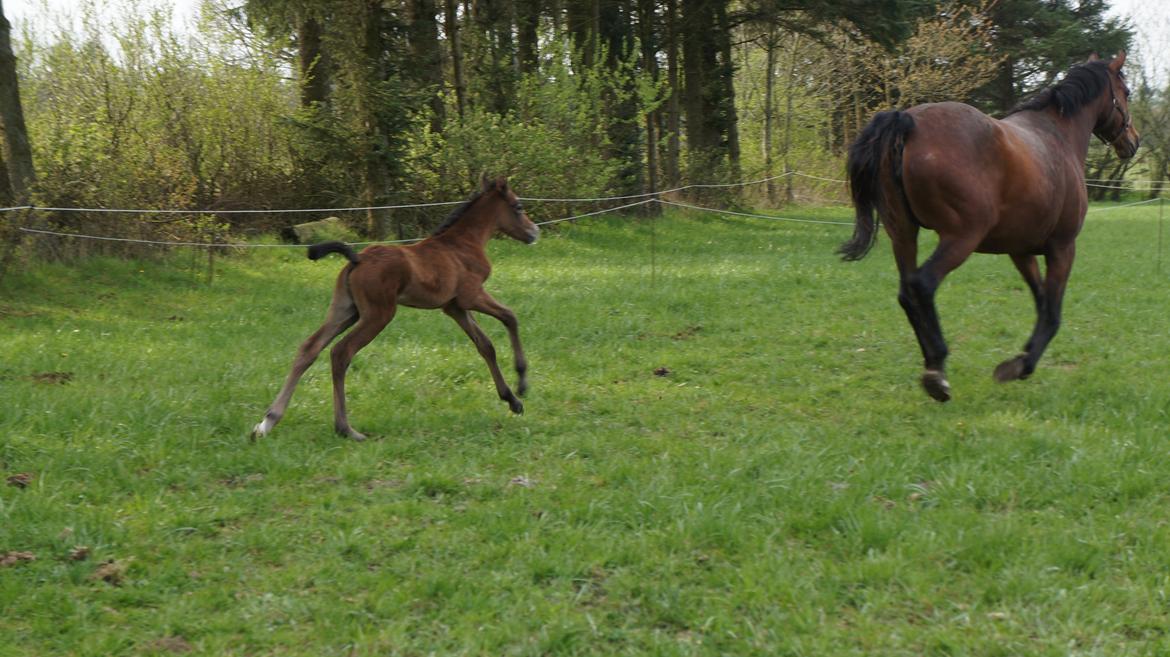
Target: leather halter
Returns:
[[1126, 118]]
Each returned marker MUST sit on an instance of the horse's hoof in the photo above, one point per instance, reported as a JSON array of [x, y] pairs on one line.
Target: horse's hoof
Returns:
[[936, 385], [1011, 370], [521, 388], [516, 406], [348, 432], [263, 427]]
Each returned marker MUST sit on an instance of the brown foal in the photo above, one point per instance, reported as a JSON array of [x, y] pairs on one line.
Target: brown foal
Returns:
[[1014, 186], [446, 270]]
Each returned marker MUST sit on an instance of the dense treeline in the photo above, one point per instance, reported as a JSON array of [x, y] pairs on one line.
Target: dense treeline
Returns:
[[320, 103]]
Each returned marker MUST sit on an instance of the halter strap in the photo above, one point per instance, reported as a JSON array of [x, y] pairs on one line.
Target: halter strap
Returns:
[[1126, 118]]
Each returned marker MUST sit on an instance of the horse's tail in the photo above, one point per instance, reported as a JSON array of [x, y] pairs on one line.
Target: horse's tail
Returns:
[[318, 251], [876, 151]]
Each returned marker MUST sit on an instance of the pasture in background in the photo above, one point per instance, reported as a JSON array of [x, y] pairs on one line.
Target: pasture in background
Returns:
[[727, 453]]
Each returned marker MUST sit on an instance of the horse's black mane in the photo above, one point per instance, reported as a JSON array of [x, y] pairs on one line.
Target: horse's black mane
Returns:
[[457, 213], [1081, 85]]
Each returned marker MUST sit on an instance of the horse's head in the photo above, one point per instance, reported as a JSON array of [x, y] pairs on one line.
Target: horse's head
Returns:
[[1115, 123], [511, 219]]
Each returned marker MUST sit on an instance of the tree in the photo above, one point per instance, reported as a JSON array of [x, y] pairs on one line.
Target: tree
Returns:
[[708, 106], [1041, 38], [427, 54], [16, 150], [948, 57], [615, 30]]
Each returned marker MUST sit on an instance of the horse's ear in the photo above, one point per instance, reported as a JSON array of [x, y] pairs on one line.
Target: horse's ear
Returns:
[[1117, 62], [485, 181], [1094, 57], [502, 183]]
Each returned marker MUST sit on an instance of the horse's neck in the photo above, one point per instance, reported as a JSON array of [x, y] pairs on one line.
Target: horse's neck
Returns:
[[1069, 132], [473, 229], [1078, 129]]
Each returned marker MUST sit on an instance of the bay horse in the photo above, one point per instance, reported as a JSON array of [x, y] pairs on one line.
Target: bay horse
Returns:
[[446, 270], [1012, 186]]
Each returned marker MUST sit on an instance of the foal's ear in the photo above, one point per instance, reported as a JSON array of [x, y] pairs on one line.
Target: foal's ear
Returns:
[[1117, 62], [1094, 57], [485, 181], [502, 183]]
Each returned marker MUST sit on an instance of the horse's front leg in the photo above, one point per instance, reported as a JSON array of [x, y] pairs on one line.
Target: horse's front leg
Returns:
[[485, 348], [489, 306], [1049, 298]]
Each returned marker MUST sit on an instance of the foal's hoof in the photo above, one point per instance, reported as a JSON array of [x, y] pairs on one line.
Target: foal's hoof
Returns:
[[1011, 370], [263, 427], [936, 385], [516, 406], [348, 432]]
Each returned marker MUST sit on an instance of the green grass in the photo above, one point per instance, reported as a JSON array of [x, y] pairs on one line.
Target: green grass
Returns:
[[787, 489]]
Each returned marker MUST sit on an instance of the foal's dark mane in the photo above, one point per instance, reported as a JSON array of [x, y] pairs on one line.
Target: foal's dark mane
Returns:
[[1081, 85], [457, 213]]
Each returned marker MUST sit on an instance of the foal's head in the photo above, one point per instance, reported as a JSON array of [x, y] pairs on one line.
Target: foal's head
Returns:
[[510, 217], [1115, 123]]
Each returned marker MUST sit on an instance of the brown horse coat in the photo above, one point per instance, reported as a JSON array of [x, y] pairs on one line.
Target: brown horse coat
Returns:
[[1013, 186], [447, 270]]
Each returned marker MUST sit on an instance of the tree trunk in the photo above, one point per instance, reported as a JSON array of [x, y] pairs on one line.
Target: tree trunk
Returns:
[[1005, 85], [16, 149], [709, 112], [369, 75], [673, 109], [646, 20], [583, 18], [790, 90], [452, 27], [527, 24], [769, 112], [6, 198], [615, 31], [314, 63], [730, 120], [494, 22], [428, 58]]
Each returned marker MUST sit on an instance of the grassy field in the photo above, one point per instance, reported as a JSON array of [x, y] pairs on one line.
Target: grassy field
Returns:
[[784, 489]]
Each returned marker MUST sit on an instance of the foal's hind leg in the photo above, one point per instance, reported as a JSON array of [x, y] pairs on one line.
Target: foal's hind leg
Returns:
[[486, 350], [1048, 298], [489, 306], [372, 321], [342, 315]]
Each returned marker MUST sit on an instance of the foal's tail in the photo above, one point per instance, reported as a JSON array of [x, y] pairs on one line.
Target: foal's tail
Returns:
[[318, 251], [877, 150]]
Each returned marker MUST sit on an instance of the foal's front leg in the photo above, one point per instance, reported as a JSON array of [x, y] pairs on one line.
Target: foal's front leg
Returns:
[[484, 345], [489, 306]]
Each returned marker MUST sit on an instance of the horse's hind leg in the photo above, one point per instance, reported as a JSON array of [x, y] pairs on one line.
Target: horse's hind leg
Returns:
[[1048, 298], [916, 293], [373, 320], [489, 306], [486, 350], [342, 314]]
